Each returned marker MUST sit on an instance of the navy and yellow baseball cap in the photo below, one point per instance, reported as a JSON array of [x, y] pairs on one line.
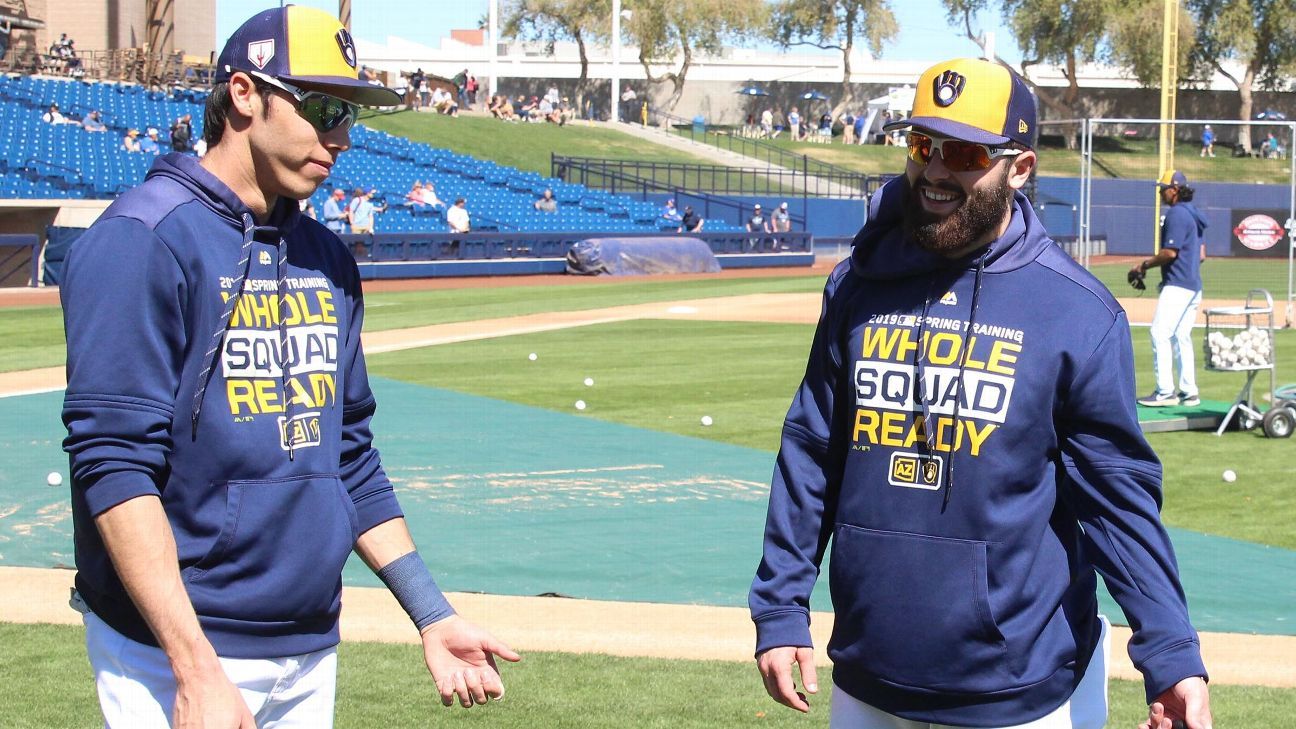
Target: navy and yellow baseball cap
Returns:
[[976, 101], [1172, 178], [305, 47]]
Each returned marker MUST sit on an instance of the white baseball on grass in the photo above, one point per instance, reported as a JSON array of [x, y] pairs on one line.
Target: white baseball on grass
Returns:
[[580, 404], [706, 420], [589, 381], [54, 478], [532, 356], [1229, 475]]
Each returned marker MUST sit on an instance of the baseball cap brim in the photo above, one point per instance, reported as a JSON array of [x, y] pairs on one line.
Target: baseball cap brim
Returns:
[[352, 90], [948, 128]]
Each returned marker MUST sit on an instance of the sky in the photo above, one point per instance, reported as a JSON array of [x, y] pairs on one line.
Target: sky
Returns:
[[924, 33]]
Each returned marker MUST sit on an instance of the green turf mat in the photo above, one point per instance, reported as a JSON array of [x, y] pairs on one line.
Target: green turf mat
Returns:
[[511, 499]]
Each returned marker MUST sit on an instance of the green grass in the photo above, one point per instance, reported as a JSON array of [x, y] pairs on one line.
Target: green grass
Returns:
[[663, 375], [525, 146], [48, 684], [1134, 159], [33, 336], [1222, 278]]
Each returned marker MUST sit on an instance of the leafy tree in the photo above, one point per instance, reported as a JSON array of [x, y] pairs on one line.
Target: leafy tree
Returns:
[[550, 21], [672, 31], [1260, 35], [1135, 35], [835, 24]]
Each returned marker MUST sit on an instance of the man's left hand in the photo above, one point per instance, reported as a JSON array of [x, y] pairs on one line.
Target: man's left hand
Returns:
[[461, 659], [1186, 704]]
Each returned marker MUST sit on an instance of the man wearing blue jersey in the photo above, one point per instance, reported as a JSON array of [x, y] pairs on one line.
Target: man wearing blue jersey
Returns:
[[1179, 259]]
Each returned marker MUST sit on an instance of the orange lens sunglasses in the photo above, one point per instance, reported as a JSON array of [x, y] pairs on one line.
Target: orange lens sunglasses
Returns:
[[958, 156]]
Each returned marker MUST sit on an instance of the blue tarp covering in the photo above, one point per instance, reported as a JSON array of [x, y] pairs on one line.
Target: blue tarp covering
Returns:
[[640, 256]]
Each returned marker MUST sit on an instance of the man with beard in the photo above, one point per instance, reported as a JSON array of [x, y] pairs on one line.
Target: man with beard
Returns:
[[959, 349]]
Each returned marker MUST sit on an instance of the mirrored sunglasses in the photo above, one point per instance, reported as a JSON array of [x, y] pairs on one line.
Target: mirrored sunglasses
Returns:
[[325, 113], [957, 155]]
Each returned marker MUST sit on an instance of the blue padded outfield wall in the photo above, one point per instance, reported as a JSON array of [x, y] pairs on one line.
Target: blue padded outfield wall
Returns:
[[1122, 210]]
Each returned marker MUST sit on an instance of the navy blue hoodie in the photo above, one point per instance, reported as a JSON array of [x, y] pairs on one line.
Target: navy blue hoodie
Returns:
[[1182, 227], [966, 531], [267, 474]]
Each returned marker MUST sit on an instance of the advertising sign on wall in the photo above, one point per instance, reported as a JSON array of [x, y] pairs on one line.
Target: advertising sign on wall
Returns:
[[1258, 233]]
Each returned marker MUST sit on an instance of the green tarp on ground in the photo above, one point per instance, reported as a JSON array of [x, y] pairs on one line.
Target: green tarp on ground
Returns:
[[509, 499]]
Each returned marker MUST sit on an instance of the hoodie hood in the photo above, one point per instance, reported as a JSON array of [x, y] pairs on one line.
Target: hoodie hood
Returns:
[[186, 170], [880, 251], [1196, 215]]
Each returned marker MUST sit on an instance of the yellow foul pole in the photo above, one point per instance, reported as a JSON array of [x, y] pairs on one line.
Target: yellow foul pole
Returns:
[[1169, 87]]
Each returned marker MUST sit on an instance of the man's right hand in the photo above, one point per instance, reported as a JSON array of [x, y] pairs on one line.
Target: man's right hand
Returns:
[[207, 699], [775, 666]]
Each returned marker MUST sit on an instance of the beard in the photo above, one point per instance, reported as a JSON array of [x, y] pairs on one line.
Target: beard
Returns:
[[981, 212]]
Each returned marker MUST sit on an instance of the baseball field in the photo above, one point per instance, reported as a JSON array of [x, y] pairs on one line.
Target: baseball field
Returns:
[[613, 544]]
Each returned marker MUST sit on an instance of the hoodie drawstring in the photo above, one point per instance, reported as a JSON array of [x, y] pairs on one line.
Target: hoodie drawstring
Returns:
[[281, 288], [963, 356], [218, 336]]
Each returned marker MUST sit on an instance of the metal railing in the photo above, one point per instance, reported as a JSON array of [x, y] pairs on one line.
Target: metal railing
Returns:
[[120, 64], [609, 175], [860, 184]]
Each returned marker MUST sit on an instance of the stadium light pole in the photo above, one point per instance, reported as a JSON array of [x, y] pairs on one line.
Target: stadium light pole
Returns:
[[616, 61], [492, 29]]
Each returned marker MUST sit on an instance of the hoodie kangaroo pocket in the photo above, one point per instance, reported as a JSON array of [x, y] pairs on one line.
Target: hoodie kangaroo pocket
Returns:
[[280, 552], [915, 610]]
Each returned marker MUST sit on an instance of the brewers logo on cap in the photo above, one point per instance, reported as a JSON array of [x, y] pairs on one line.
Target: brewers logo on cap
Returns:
[[303, 46], [974, 100]]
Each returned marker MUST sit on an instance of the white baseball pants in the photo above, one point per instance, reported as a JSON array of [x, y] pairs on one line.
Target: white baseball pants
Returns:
[[1172, 339], [137, 688], [1086, 709]]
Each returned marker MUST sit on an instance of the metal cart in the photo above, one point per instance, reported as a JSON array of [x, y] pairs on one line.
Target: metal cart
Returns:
[[1241, 339]]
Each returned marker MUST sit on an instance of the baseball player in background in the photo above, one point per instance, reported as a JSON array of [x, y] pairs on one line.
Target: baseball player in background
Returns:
[[218, 414], [965, 442], [1179, 259]]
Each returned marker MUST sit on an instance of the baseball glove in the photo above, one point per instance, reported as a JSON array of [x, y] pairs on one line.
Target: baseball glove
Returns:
[[1135, 279]]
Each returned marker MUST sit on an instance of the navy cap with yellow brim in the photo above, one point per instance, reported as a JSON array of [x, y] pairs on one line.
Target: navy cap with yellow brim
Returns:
[[305, 47], [1172, 178], [976, 101]]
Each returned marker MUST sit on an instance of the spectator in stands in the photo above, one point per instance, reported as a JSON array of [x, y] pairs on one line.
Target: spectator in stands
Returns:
[[1208, 142], [1272, 149], [780, 221], [546, 203], [335, 212], [530, 110], [416, 81], [848, 128], [471, 86], [629, 105], [307, 208], [860, 120], [507, 113], [131, 142], [430, 197], [363, 211], [767, 124], [794, 124], [825, 126], [6, 28], [460, 81], [757, 223], [457, 217], [149, 144], [552, 96], [94, 122], [565, 112], [444, 102], [414, 198], [182, 134], [54, 116], [691, 222], [670, 214]]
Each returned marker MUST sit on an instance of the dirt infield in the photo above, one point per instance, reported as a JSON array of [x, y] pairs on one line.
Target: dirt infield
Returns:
[[628, 629]]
